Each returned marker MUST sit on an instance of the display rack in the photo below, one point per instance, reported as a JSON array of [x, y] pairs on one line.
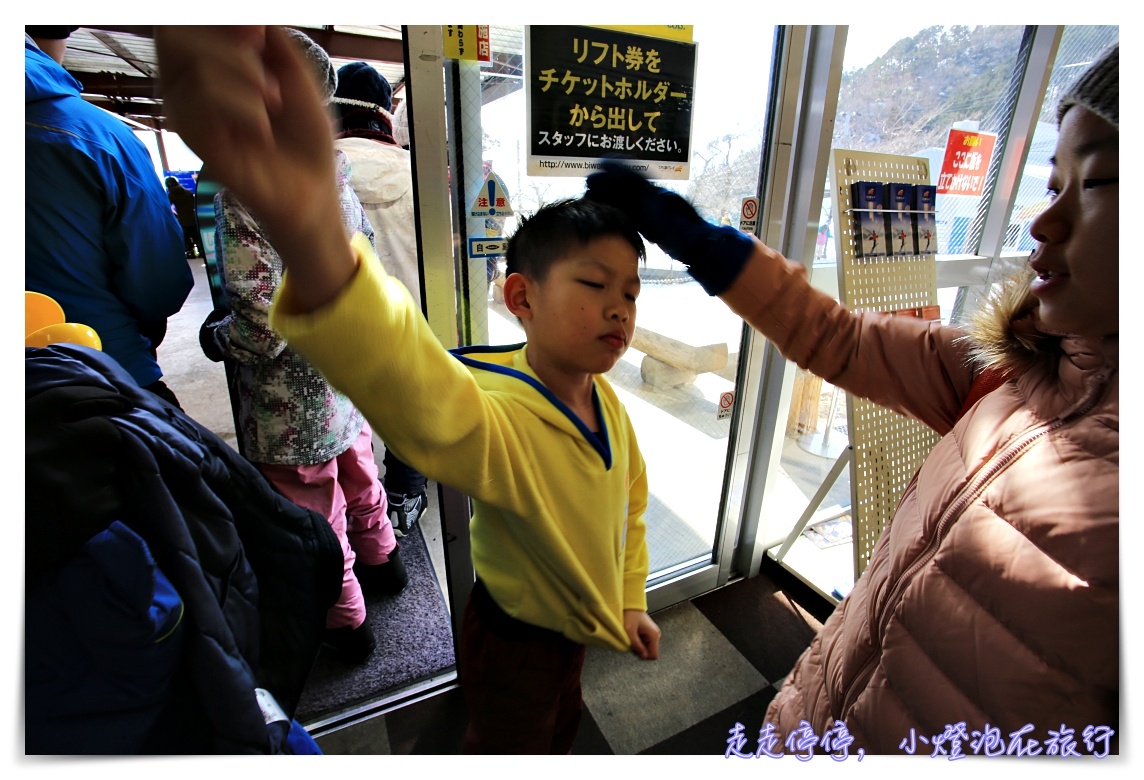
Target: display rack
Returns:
[[886, 448]]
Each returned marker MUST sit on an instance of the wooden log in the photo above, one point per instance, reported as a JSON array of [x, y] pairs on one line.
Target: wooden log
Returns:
[[664, 375], [730, 370], [696, 360], [803, 416]]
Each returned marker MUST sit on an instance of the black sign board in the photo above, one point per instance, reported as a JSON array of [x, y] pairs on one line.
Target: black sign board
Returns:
[[593, 92]]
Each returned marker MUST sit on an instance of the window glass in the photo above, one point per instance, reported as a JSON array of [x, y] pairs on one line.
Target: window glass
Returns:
[[1079, 46], [902, 90], [677, 408], [906, 99]]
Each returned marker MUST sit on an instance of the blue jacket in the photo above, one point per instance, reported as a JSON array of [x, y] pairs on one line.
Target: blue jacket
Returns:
[[165, 579], [99, 233]]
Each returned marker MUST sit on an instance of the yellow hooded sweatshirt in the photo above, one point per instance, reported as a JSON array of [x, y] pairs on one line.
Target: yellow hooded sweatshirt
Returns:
[[558, 533]]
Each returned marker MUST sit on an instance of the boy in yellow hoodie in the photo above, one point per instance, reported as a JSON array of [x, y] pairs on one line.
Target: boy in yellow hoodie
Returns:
[[532, 433]]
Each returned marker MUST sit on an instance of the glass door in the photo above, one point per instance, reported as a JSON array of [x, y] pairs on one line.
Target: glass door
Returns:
[[1005, 91], [679, 379]]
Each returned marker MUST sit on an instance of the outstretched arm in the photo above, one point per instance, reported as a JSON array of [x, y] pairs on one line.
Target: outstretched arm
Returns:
[[909, 365], [251, 272], [244, 100]]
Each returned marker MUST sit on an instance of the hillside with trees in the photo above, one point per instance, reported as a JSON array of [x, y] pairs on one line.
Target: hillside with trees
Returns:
[[907, 99], [904, 101]]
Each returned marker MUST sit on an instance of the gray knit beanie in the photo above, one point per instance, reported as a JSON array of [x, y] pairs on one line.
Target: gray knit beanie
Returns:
[[320, 61], [1098, 89]]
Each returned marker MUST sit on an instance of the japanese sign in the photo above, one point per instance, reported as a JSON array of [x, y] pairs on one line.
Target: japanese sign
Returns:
[[749, 214], [491, 199], [594, 92], [488, 247], [967, 156], [467, 42], [726, 402]]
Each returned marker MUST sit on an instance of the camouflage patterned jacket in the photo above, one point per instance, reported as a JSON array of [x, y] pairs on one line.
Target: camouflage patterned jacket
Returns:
[[288, 414]]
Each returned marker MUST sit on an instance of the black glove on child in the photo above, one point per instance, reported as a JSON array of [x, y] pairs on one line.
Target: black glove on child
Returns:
[[714, 255]]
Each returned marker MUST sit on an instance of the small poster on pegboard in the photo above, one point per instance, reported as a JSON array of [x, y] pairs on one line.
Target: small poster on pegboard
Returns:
[[925, 220], [869, 218], [899, 220]]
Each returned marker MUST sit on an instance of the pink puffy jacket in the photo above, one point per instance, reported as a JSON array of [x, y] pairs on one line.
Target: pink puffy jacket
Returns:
[[991, 600]]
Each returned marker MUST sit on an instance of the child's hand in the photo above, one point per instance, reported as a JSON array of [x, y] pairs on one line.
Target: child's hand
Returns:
[[245, 100], [246, 103], [643, 633]]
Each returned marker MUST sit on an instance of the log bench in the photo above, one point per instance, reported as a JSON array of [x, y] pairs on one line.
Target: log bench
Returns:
[[667, 362], [670, 363]]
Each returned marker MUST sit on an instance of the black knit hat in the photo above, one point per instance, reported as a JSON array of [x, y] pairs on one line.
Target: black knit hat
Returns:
[[49, 32], [1098, 89], [361, 81]]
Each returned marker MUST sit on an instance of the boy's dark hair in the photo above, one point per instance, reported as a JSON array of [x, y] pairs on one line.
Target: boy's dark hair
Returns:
[[544, 238]]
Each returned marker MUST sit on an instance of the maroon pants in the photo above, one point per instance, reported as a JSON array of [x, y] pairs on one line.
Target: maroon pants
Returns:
[[521, 683]]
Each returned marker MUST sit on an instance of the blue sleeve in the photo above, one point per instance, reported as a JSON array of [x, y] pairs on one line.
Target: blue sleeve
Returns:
[[143, 236]]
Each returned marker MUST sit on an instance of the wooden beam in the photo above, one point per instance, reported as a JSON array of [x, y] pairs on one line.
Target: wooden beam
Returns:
[[126, 107], [121, 51], [115, 91], [119, 85], [337, 44], [349, 46]]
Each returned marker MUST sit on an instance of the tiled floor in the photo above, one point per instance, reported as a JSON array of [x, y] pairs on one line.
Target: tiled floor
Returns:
[[721, 659]]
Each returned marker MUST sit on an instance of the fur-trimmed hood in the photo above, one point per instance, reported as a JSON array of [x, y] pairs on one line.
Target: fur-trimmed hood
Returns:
[[1005, 335], [1006, 338]]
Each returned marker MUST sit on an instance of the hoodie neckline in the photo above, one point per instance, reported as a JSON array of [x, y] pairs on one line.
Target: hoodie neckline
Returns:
[[600, 442]]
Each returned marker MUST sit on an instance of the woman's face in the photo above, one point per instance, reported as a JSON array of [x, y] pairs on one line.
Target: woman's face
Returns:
[[1078, 258]]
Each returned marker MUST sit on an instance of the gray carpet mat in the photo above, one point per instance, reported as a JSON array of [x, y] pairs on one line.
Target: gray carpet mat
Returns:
[[414, 641]]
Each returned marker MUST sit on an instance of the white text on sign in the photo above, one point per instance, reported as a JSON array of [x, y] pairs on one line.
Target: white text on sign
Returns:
[[487, 247]]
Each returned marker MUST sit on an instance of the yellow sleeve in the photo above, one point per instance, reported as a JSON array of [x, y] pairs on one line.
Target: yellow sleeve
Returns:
[[635, 544], [373, 344]]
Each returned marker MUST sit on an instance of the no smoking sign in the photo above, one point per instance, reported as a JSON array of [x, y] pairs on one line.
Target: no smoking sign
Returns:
[[749, 215], [726, 403]]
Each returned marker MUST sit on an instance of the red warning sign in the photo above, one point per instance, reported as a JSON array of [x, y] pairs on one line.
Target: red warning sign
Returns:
[[726, 401], [966, 163], [749, 215]]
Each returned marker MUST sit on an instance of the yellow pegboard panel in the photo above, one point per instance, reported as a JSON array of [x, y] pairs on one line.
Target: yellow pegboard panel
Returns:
[[888, 448]]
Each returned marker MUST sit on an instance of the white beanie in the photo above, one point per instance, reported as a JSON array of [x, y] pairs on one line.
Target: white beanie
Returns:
[[1098, 89], [401, 124], [319, 61]]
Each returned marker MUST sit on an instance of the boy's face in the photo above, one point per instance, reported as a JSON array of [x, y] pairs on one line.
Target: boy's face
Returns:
[[1077, 261], [583, 314]]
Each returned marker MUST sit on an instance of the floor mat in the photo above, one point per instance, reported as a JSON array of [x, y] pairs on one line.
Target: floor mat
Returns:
[[414, 641]]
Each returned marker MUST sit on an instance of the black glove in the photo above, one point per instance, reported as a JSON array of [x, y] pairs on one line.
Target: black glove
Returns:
[[210, 337], [714, 255]]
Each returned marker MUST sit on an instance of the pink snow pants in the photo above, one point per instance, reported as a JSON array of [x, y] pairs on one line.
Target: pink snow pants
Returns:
[[346, 491]]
